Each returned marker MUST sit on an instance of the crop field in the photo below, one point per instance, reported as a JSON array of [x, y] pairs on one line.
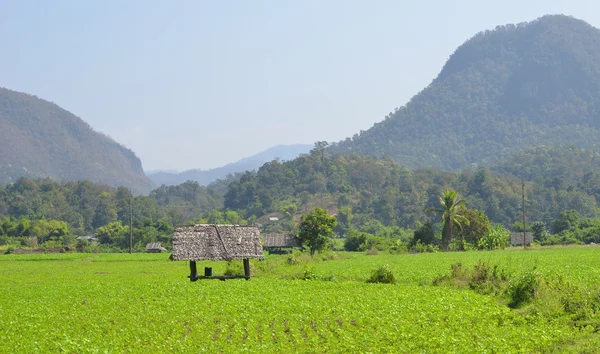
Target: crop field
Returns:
[[114, 303]]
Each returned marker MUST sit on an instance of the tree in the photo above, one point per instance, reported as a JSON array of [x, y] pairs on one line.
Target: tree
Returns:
[[315, 229], [569, 220], [539, 230], [478, 227], [424, 233], [452, 212]]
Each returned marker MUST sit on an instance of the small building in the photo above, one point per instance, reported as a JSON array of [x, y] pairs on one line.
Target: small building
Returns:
[[276, 243], [155, 247], [88, 238], [516, 238], [273, 219], [211, 242]]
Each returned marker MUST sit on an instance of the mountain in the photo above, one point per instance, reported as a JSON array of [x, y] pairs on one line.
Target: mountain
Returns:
[[503, 90], [205, 177], [40, 139]]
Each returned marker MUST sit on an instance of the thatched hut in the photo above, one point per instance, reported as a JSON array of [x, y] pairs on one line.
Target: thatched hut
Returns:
[[516, 238], [278, 242], [216, 243], [155, 247]]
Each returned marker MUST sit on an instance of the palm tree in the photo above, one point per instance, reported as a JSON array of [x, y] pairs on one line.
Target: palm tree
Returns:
[[452, 211]]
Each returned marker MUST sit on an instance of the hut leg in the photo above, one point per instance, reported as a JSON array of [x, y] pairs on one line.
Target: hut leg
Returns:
[[247, 268], [193, 271]]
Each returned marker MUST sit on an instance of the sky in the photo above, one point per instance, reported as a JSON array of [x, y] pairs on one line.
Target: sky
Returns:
[[199, 84]]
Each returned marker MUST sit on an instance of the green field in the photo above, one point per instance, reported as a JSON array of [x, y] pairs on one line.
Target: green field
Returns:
[[80, 303]]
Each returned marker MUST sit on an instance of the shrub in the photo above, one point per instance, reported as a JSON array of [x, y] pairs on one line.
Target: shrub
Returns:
[[497, 238], [328, 256], [420, 247], [298, 257], [522, 290], [424, 234], [383, 274], [9, 250], [372, 252], [483, 278]]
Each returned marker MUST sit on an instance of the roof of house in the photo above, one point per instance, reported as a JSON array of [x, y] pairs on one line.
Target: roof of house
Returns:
[[155, 246], [87, 237], [516, 238], [216, 242], [280, 240]]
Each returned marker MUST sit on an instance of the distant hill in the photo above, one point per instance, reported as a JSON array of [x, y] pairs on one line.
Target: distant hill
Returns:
[[205, 177], [40, 139], [501, 91]]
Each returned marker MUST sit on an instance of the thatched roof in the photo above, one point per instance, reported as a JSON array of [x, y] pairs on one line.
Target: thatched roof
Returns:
[[516, 238], [155, 246], [280, 240], [216, 243]]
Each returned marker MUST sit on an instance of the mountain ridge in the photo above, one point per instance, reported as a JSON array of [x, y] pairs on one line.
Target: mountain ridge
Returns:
[[205, 177], [38, 138], [502, 90]]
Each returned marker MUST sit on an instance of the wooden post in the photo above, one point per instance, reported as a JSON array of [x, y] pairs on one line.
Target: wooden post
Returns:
[[193, 271], [247, 268]]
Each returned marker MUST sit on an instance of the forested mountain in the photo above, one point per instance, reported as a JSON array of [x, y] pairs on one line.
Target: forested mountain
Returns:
[[503, 90], [367, 190], [40, 139], [205, 177]]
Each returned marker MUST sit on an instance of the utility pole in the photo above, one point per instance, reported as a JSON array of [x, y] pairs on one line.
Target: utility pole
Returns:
[[523, 210], [131, 224]]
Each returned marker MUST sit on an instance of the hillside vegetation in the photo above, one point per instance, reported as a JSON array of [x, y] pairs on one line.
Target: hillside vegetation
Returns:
[[374, 196], [503, 90], [40, 139]]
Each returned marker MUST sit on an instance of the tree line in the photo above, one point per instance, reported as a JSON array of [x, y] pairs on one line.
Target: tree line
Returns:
[[375, 202]]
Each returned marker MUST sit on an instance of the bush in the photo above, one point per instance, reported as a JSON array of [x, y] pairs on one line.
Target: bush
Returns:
[[383, 274], [399, 247], [328, 256], [372, 252], [522, 290], [420, 247], [483, 278], [497, 238], [9, 250], [424, 234], [298, 257]]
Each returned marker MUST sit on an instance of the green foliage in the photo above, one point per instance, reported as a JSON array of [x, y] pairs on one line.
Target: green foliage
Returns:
[[129, 299], [420, 247], [483, 278], [315, 229], [539, 231], [523, 289], [383, 274], [453, 213], [424, 234], [478, 226], [497, 238], [569, 220]]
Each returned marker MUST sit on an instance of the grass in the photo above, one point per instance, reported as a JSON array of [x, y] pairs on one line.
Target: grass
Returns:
[[144, 303]]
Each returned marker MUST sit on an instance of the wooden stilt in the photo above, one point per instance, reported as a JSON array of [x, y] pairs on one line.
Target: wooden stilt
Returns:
[[247, 268], [193, 271]]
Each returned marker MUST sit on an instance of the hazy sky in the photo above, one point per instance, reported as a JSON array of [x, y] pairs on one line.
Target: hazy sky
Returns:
[[198, 84]]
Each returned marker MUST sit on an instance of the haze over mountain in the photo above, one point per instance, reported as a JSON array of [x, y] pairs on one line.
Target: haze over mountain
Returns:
[[501, 91], [205, 177], [40, 139]]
